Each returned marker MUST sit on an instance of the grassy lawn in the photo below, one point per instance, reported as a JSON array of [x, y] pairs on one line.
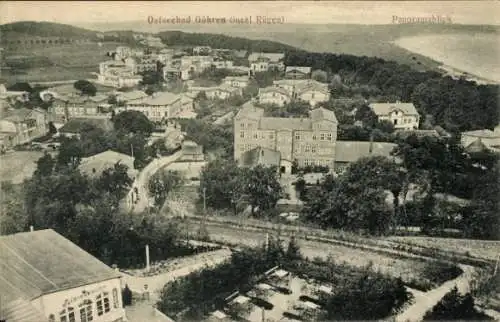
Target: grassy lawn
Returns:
[[19, 165], [64, 62]]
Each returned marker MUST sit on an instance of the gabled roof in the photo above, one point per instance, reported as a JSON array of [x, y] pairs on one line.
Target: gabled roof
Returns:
[[96, 164], [260, 155], [16, 115], [42, 262], [351, 151], [482, 133], [250, 111], [300, 69], [130, 96], [476, 147], [160, 99], [321, 113], [274, 89], [19, 310], [272, 57], [306, 87], [386, 108]]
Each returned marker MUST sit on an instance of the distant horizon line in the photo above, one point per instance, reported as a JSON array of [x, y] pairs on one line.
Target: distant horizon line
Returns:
[[79, 24]]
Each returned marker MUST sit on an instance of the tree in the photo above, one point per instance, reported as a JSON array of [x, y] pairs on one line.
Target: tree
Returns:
[[262, 187], [52, 128], [70, 153], [162, 183], [293, 250], [44, 166], [222, 180], [454, 306], [133, 122], [85, 87], [21, 87], [320, 76], [115, 180], [14, 218]]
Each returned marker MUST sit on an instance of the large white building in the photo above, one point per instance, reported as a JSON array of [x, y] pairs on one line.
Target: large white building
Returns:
[[45, 277], [307, 90], [403, 116]]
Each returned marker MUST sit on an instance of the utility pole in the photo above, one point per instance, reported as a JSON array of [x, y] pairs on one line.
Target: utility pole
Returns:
[[147, 258], [132, 149], [202, 225]]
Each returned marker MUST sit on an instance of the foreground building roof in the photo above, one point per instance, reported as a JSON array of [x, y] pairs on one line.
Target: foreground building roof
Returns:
[[386, 108], [41, 262]]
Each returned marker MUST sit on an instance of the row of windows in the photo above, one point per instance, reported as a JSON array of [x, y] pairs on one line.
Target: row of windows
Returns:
[[324, 163], [85, 309], [322, 137], [257, 135]]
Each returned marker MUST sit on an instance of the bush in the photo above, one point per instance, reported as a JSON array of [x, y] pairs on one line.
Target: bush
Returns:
[[438, 273]]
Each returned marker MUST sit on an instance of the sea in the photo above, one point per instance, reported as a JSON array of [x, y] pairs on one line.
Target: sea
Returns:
[[477, 54]]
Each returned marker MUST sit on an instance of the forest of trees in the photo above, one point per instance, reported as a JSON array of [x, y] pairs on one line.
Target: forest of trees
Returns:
[[456, 105]]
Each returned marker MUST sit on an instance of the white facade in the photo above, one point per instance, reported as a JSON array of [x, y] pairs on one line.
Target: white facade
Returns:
[[273, 96], [99, 302], [239, 82], [314, 96], [223, 64], [261, 66], [400, 120]]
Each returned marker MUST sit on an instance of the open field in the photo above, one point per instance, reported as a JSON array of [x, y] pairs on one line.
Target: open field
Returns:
[[72, 61], [486, 249], [19, 165]]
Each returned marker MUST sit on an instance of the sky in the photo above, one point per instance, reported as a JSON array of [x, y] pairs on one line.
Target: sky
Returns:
[[320, 12]]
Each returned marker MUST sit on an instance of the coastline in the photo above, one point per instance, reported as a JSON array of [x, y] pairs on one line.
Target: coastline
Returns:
[[447, 69]]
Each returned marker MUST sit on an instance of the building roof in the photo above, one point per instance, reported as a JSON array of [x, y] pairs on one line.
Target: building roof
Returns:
[[249, 110], [285, 123], [19, 310], [158, 99], [130, 96], [318, 87], [76, 125], [386, 108], [482, 133], [274, 89], [240, 53], [273, 57], [42, 262], [321, 113], [260, 155], [96, 164], [237, 78], [419, 133], [351, 151], [300, 69], [16, 115], [476, 147]]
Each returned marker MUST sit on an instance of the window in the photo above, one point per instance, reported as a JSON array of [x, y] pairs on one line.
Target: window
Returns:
[[313, 149], [307, 148], [66, 315], [242, 134], [107, 306], [100, 310], [312, 95], [255, 135], [297, 136], [322, 136], [261, 135], [274, 94], [242, 125], [86, 311], [315, 137], [271, 136], [329, 136]]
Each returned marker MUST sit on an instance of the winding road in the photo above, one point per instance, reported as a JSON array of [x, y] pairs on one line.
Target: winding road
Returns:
[[141, 183]]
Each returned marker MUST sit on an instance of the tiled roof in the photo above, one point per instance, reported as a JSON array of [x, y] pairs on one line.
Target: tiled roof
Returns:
[[386, 108], [76, 125], [161, 98], [260, 155], [249, 110], [96, 164], [285, 123], [273, 57], [351, 151], [301, 69], [41, 262], [321, 113]]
